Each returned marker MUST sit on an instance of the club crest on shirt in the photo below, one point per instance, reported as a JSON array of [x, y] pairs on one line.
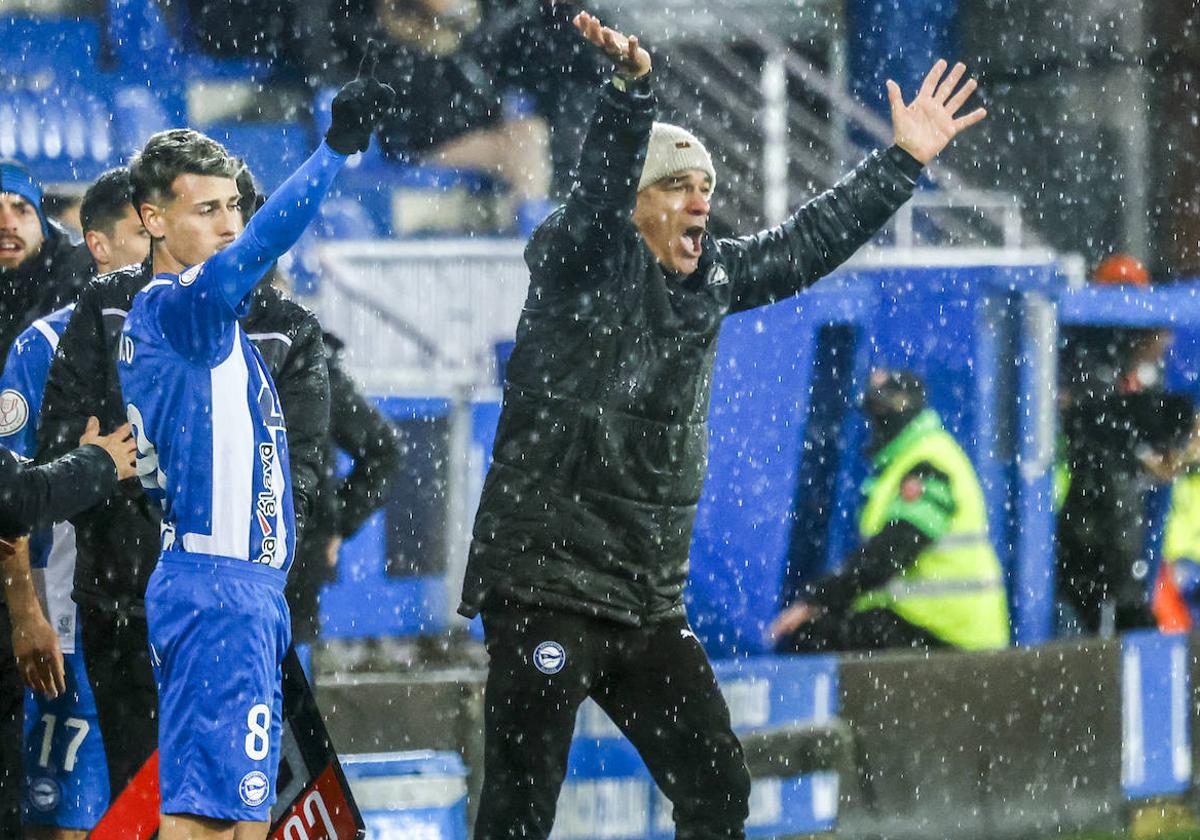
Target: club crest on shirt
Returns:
[[44, 794], [14, 411], [717, 275], [549, 657]]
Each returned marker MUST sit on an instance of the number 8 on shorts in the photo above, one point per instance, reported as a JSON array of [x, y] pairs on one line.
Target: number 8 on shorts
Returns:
[[258, 739]]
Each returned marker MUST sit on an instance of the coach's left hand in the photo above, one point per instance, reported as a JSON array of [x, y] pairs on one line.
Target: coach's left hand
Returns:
[[926, 125]]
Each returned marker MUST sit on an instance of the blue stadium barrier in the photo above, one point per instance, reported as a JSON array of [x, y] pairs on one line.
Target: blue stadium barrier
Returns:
[[609, 793], [421, 794], [1156, 703], [367, 599]]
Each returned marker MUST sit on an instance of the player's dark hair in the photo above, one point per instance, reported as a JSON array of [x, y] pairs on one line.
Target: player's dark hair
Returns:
[[251, 198], [105, 202], [169, 154]]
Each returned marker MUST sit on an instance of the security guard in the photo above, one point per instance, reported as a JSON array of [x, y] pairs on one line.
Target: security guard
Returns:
[[926, 574], [1176, 601]]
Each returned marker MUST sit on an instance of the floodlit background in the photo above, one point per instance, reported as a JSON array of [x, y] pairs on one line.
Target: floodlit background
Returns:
[[980, 285]]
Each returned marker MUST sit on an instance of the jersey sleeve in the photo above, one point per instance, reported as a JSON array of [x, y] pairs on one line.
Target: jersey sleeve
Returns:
[[196, 311], [21, 388], [925, 501]]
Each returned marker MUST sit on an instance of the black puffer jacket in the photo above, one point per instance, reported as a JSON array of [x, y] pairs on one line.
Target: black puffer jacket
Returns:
[[601, 447], [40, 285], [118, 540], [33, 497]]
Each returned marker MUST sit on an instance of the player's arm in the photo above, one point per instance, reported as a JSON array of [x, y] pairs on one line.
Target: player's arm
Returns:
[[356, 111], [825, 232], [21, 388], [303, 387], [917, 517], [35, 644], [207, 298], [611, 160]]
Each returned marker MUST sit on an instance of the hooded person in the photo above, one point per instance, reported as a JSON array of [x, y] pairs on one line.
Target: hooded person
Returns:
[[41, 269], [925, 575], [580, 545]]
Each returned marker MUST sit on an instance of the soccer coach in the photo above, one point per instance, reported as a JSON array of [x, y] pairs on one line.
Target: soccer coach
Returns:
[[580, 548]]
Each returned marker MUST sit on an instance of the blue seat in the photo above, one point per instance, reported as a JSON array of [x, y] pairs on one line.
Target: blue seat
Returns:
[[52, 49], [63, 134]]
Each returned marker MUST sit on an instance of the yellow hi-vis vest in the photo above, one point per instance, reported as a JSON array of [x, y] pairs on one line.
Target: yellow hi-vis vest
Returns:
[[1181, 535], [954, 589]]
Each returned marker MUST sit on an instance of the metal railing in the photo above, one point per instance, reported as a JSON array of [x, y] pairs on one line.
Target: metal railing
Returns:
[[780, 123]]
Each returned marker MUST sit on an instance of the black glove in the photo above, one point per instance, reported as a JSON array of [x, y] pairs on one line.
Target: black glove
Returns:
[[358, 107]]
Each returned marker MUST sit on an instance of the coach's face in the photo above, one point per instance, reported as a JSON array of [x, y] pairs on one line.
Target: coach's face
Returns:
[[20, 230], [201, 218], [671, 215]]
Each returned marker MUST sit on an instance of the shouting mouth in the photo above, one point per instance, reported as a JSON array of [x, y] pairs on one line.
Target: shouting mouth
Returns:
[[10, 246], [691, 240]]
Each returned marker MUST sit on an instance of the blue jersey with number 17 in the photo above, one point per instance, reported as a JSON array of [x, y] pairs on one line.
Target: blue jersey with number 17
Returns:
[[212, 448]]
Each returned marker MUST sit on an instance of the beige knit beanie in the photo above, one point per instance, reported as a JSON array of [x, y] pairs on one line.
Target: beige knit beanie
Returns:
[[673, 149]]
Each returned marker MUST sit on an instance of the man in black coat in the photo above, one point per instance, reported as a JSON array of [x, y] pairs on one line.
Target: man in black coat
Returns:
[[118, 540], [41, 270], [580, 548], [341, 505]]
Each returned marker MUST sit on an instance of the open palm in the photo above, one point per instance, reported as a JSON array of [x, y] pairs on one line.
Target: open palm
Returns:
[[926, 125], [631, 58]]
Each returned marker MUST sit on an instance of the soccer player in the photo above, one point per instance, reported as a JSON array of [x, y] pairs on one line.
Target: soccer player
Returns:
[[580, 548], [112, 230], [117, 541], [66, 783], [212, 451]]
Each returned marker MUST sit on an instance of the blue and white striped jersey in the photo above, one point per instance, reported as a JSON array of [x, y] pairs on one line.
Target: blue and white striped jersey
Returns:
[[52, 551], [212, 444]]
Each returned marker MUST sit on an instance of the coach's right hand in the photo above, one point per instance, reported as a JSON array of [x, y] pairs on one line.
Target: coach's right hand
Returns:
[[119, 445], [359, 107]]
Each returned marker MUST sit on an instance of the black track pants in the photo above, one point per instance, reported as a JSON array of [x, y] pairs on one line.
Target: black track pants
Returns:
[[654, 682], [116, 651]]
